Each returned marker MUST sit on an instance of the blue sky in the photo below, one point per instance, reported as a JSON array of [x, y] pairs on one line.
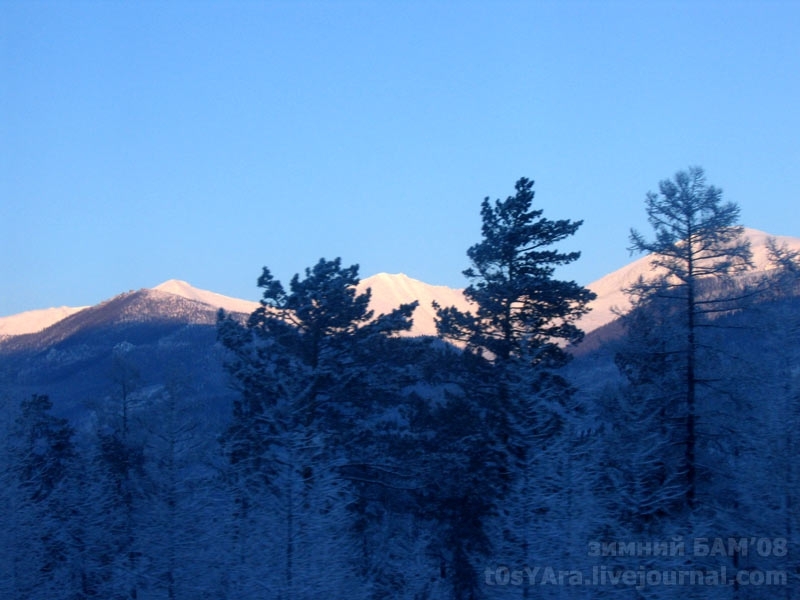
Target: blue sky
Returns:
[[144, 141]]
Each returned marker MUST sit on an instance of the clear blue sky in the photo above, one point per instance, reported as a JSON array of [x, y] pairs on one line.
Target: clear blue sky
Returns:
[[143, 141]]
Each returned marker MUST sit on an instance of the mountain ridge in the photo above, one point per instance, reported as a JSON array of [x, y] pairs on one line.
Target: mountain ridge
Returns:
[[388, 292], [610, 288], [32, 321], [146, 306]]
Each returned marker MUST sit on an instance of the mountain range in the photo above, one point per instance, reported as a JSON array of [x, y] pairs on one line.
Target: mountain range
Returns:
[[176, 298], [168, 333], [157, 446]]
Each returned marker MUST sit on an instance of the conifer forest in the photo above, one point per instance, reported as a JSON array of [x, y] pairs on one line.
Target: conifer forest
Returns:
[[501, 458]]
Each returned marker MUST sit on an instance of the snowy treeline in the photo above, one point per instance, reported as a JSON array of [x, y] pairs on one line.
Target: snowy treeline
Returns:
[[357, 463]]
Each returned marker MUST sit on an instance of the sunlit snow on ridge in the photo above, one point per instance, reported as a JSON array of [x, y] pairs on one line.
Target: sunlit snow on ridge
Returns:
[[33, 321], [391, 290]]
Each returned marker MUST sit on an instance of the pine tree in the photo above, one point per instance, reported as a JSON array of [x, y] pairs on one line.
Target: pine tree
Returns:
[[303, 367], [523, 315], [521, 309], [522, 319]]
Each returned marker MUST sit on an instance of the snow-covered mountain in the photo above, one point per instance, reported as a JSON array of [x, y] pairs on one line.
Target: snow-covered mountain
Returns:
[[35, 320], [148, 308], [391, 290], [176, 298], [388, 292], [609, 289], [176, 287]]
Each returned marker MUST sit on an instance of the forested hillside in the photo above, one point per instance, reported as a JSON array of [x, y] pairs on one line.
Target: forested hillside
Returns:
[[344, 458]]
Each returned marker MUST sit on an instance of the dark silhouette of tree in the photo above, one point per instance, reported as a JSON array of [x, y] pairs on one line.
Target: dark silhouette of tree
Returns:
[[522, 319], [522, 310], [303, 367], [39, 496], [45, 447], [697, 249]]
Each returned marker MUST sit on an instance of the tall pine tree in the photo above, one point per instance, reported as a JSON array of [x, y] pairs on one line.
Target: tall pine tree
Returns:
[[302, 364], [522, 319]]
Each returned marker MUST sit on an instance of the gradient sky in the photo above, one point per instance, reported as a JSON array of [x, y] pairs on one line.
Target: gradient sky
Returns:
[[144, 141]]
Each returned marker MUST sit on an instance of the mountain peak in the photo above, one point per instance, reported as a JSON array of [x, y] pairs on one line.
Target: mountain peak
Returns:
[[397, 280], [178, 287], [391, 290]]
